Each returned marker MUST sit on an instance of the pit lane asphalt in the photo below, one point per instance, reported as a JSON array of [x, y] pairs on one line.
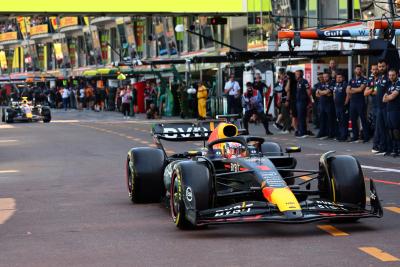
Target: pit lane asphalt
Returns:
[[72, 207]]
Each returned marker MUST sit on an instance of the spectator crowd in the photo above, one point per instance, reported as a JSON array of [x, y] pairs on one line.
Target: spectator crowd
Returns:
[[360, 109]]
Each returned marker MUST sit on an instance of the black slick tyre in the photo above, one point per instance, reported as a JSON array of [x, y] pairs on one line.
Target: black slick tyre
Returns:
[[191, 189], [144, 175]]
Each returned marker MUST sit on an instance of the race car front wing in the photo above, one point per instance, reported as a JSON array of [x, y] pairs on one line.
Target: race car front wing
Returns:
[[311, 210]]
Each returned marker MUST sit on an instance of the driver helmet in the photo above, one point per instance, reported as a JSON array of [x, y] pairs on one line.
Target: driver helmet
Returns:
[[234, 150]]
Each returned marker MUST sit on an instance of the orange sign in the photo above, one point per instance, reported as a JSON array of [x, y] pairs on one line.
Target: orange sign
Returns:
[[8, 36], [39, 29], [68, 21]]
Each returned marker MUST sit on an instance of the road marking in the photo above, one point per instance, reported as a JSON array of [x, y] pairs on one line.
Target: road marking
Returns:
[[383, 181], [379, 254], [8, 171], [6, 126], [170, 151], [332, 230], [8, 141], [380, 169], [305, 178], [394, 209], [66, 121], [7, 209]]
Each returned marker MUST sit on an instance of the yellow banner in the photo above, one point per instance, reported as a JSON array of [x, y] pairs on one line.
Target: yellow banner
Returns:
[[124, 6], [54, 23], [24, 24], [58, 51], [3, 60], [8, 36], [39, 29], [68, 21]]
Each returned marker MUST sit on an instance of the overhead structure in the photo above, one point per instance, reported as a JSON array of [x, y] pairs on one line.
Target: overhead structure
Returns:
[[125, 7]]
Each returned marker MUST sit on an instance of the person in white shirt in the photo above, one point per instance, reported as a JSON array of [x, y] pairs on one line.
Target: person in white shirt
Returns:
[[65, 97], [232, 90]]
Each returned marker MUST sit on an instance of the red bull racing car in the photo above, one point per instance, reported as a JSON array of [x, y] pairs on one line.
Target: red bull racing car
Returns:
[[25, 111], [239, 178]]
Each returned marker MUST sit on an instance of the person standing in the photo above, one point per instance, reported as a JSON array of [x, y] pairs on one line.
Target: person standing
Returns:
[[150, 95], [284, 115], [291, 99], [302, 100], [160, 89], [327, 110], [65, 97], [381, 129], [392, 98], [358, 107], [202, 95], [370, 92], [315, 111], [341, 107], [126, 97], [260, 86], [232, 90], [252, 102]]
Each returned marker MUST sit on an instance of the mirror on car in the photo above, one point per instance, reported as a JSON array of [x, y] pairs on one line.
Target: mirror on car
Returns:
[[293, 149]]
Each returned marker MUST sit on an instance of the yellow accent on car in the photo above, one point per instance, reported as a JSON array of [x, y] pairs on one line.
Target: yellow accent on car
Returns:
[[284, 199]]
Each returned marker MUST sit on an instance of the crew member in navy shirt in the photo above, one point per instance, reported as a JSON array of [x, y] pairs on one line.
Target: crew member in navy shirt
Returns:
[[358, 107], [303, 93], [341, 107], [327, 109], [392, 98], [370, 93], [382, 132]]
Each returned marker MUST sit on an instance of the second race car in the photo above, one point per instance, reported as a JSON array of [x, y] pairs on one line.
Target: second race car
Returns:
[[239, 179], [25, 111]]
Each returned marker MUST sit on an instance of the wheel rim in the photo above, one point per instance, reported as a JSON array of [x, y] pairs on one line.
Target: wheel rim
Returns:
[[175, 196], [129, 178]]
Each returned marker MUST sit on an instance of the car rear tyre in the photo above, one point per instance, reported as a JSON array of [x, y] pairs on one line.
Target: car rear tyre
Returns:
[[144, 175], [347, 184], [3, 115], [191, 189], [9, 116], [46, 115]]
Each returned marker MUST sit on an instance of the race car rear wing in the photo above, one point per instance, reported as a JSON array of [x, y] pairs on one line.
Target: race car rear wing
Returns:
[[185, 131]]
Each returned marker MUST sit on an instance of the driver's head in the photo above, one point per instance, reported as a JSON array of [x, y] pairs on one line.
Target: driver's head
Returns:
[[234, 150]]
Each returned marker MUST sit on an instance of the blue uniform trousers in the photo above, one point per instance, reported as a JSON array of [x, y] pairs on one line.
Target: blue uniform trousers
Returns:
[[301, 117], [327, 121], [342, 117], [359, 110], [381, 137]]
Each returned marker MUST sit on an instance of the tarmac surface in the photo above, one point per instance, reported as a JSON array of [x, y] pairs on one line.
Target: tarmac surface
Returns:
[[64, 202]]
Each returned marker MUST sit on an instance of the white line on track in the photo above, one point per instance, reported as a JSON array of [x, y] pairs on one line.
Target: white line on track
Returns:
[[380, 169], [8, 141], [8, 171]]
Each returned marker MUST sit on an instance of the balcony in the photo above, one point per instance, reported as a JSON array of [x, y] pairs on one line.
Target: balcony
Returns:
[[9, 38], [102, 20], [40, 32], [68, 24]]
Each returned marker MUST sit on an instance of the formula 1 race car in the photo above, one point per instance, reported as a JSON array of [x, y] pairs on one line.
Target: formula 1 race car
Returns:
[[239, 178], [25, 111]]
